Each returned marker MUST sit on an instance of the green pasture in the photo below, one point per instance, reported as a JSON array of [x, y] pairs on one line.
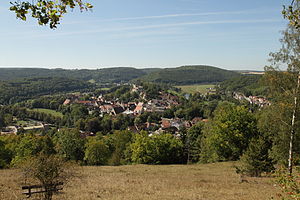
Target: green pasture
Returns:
[[191, 89], [48, 111]]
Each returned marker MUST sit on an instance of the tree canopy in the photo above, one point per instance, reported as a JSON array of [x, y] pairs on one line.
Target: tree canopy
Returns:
[[47, 12], [292, 13]]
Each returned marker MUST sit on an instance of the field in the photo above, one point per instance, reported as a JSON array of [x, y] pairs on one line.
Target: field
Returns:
[[167, 182], [191, 89], [48, 111]]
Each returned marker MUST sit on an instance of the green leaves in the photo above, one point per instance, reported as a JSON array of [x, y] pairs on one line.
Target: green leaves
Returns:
[[157, 149], [292, 13], [47, 12], [228, 134]]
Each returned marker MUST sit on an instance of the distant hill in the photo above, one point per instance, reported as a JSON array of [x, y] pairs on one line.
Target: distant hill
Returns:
[[181, 75], [116, 75], [27, 88], [190, 75]]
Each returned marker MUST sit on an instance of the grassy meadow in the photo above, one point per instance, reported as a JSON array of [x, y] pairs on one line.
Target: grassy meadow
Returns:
[[191, 89], [144, 182], [48, 111]]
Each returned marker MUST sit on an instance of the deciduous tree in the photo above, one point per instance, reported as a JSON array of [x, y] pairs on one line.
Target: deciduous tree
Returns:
[[69, 144], [47, 12], [227, 136], [96, 153], [47, 171], [283, 79]]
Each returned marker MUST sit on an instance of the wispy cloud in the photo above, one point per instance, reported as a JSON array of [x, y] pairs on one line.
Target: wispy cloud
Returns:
[[176, 15], [147, 27]]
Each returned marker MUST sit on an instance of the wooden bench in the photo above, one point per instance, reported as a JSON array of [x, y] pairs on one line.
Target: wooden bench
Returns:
[[35, 189]]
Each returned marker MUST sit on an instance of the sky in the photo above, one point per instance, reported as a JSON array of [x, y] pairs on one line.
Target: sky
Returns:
[[230, 34]]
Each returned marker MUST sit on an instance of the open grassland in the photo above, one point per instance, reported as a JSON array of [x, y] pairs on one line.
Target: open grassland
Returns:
[[139, 182], [48, 111], [191, 89]]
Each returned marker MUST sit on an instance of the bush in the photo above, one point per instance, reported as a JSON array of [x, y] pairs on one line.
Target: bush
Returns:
[[96, 153], [289, 184], [226, 137], [158, 149], [47, 171], [256, 159]]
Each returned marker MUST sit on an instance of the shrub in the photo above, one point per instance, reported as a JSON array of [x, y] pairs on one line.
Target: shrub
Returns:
[[256, 158]]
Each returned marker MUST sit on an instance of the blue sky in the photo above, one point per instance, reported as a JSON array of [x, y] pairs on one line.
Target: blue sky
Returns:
[[230, 34]]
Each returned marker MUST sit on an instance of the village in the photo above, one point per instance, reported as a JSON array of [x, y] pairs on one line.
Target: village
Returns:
[[115, 107], [134, 109]]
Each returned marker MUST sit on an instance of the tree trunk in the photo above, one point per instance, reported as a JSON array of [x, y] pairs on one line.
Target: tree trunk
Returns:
[[290, 160]]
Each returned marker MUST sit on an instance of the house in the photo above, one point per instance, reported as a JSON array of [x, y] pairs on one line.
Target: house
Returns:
[[10, 130], [111, 109], [67, 102], [139, 108], [165, 123], [136, 88], [106, 108], [175, 124], [87, 103]]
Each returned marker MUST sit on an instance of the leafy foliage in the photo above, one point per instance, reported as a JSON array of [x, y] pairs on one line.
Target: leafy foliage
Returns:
[[5, 157], [228, 134], [69, 144], [158, 149], [292, 13], [256, 159], [31, 145], [289, 184], [282, 77], [96, 152], [47, 171], [47, 11]]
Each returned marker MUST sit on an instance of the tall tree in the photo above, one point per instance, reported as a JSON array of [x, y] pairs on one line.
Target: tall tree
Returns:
[[47, 12], [70, 144], [228, 134], [283, 78]]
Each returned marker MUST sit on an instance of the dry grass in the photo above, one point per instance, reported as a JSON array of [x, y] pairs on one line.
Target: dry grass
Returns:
[[141, 182]]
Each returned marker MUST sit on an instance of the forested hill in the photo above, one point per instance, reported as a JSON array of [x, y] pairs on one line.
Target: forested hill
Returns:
[[20, 90], [115, 75], [190, 75], [250, 84], [181, 75]]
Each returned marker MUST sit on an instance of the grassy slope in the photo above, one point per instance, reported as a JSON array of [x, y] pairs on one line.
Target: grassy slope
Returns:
[[166, 182], [191, 89], [48, 111]]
